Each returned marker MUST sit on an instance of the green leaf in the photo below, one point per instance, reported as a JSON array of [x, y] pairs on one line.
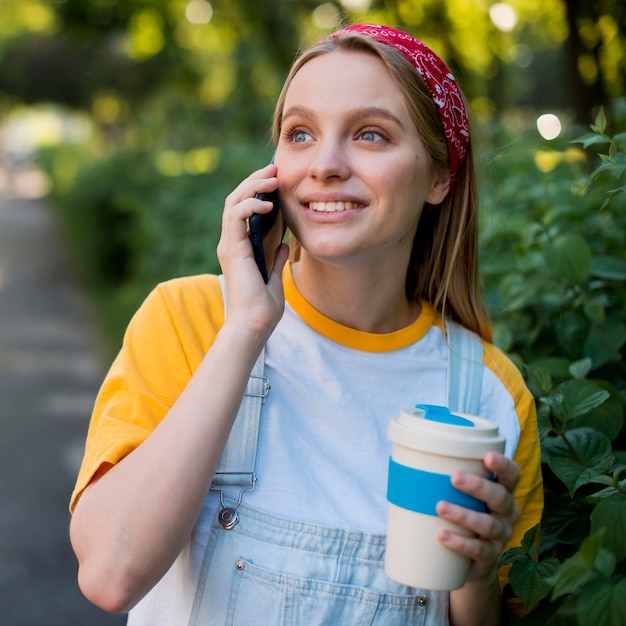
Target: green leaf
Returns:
[[572, 574], [608, 267], [539, 381], [580, 369], [526, 550], [610, 515], [588, 454], [580, 396], [512, 555], [590, 139], [610, 195], [553, 365], [591, 562], [598, 496], [604, 341], [595, 311], [590, 548], [572, 333], [529, 580], [577, 397], [616, 169], [608, 417], [530, 539], [600, 122], [569, 258], [565, 521], [602, 603]]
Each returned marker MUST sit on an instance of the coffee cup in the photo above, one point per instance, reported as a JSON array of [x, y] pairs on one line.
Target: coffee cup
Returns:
[[429, 444]]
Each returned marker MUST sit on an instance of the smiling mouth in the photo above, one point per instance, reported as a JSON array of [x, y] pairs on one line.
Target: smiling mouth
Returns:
[[333, 207]]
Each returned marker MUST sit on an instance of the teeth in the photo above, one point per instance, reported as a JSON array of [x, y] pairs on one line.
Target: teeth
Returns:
[[332, 207]]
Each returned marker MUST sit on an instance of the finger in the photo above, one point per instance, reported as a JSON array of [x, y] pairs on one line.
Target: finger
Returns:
[[487, 526], [506, 470], [472, 547], [496, 496], [261, 181]]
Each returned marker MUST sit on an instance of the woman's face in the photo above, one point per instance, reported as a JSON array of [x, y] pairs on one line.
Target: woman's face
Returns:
[[353, 171]]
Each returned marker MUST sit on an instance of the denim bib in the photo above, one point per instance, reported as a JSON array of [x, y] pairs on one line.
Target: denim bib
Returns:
[[263, 570]]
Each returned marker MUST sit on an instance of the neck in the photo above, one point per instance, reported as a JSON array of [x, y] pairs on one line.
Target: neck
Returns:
[[369, 299]]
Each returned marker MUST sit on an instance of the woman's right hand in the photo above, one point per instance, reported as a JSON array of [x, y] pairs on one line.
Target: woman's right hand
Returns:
[[251, 303]]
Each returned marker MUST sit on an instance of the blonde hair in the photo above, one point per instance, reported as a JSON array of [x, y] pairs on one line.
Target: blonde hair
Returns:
[[443, 269]]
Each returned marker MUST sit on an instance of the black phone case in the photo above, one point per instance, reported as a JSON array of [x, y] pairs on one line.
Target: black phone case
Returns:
[[260, 225]]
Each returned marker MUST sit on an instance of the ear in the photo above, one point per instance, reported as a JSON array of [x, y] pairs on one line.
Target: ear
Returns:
[[439, 190]]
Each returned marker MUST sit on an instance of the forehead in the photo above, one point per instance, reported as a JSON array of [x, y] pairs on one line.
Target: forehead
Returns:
[[345, 78]]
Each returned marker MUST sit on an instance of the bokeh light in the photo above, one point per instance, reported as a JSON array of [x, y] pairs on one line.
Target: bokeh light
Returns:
[[549, 126], [503, 15], [356, 5], [199, 12], [326, 16]]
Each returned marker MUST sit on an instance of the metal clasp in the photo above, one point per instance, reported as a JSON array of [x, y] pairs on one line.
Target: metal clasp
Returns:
[[228, 516]]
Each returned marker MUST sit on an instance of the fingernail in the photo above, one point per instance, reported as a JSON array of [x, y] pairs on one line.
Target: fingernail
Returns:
[[461, 478], [445, 536], [444, 508]]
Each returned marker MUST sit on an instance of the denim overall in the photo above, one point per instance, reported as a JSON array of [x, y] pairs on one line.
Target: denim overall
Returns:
[[264, 570]]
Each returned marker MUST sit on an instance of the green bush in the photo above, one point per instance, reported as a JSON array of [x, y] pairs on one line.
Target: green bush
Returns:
[[554, 270], [137, 217], [100, 200]]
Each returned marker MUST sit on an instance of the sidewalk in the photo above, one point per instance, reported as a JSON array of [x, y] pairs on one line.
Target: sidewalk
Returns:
[[49, 374]]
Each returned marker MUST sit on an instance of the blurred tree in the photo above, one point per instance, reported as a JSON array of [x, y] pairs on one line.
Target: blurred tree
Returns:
[[96, 45], [221, 63], [567, 54], [596, 58]]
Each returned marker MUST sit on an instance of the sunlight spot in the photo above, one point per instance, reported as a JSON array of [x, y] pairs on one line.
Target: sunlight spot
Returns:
[[503, 15], [356, 5], [199, 12], [549, 126], [326, 16]]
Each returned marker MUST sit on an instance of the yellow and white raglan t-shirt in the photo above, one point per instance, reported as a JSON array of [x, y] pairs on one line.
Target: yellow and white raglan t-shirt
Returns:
[[323, 447]]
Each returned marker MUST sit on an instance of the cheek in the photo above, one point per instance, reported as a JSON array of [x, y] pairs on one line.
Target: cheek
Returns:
[[290, 175]]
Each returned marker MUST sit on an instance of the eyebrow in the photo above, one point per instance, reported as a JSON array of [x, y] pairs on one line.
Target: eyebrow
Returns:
[[361, 112]]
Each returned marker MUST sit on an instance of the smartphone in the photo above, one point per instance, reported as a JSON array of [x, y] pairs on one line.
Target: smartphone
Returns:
[[260, 225]]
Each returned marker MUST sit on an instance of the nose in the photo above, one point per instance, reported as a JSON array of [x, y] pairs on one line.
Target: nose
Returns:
[[329, 161]]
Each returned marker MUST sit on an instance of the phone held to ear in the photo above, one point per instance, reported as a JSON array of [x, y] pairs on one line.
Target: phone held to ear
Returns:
[[260, 225]]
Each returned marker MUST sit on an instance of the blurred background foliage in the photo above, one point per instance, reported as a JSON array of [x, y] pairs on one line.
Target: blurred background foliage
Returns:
[[146, 113], [138, 117]]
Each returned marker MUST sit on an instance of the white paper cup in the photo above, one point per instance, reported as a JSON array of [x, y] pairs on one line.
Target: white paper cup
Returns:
[[429, 444]]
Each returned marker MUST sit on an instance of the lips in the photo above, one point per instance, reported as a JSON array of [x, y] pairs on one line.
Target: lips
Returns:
[[333, 207]]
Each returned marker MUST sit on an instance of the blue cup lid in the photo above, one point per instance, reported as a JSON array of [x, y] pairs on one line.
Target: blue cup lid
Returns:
[[442, 415]]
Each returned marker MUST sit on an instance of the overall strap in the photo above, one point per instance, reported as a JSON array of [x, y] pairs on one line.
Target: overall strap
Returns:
[[237, 465], [465, 369]]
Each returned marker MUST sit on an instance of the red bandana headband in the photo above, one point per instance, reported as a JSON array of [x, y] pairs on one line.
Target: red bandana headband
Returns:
[[438, 78]]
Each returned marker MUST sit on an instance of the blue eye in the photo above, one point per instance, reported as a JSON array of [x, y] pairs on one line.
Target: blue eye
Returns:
[[371, 136], [297, 136]]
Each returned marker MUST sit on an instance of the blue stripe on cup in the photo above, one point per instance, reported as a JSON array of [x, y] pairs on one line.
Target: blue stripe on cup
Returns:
[[419, 491]]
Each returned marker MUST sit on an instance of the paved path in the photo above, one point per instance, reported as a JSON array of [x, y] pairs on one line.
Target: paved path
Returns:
[[49, 373]]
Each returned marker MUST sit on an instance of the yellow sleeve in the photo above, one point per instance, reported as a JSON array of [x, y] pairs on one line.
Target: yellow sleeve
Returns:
[[529, 491], [163, 346]]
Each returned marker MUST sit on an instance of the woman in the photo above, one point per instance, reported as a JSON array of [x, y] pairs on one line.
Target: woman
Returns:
[[374, 170]]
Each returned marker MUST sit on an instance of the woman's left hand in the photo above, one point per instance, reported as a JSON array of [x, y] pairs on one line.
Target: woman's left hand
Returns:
[[491, 530]]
